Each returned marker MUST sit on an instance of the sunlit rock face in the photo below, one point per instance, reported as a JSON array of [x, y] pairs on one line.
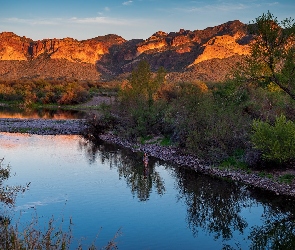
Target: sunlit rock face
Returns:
[[156, 41], [13, 47], [222, 47], [186, 55], [88, 51]]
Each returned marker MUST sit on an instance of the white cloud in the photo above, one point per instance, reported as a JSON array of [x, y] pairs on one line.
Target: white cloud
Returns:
[[99, 20], [127, 3], [52, 21], [60, 21], [217, 7], [273, 3]]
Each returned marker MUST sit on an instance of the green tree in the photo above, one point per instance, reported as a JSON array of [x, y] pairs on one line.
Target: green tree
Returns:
[[272, 56], [139, 105], [276, 142]]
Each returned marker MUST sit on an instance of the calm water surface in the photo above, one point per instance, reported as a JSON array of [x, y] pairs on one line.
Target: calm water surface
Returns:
[[103, 189]]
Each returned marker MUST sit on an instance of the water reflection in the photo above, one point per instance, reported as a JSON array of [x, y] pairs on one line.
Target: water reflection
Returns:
[[217, 207], [15, 112], [140, 178], [277, 230], [210, 204]]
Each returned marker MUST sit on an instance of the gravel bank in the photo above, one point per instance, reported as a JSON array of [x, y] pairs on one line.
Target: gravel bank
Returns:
[[42, 126]]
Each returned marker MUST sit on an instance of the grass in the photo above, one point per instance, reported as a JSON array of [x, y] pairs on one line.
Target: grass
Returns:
[[166, 141], [286, 178], [264, 174], [233, 163]]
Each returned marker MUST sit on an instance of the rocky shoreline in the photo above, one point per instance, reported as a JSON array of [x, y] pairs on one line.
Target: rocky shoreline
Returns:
[[170, 154], [173, 155]]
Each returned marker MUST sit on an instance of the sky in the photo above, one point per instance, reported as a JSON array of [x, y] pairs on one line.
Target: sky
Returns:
[[131, 19]]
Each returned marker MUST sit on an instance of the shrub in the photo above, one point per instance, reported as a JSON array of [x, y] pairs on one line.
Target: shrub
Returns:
[[276, 142], [206, 125]]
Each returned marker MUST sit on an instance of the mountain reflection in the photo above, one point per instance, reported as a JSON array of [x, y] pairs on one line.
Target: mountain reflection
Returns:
[[214, 206]]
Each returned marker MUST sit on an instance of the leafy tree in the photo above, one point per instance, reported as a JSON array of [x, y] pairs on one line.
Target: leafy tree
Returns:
[[139, 105], [272, 57]]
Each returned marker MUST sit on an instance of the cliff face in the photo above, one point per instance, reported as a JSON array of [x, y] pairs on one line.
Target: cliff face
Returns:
[[105, 57], [13, 47]]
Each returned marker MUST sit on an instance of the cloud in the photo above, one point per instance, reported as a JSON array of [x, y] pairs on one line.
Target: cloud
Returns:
[[98, 20], [226, 6], [217, 7], [127, 3], [273, 3], [59, 21], [53, 21]]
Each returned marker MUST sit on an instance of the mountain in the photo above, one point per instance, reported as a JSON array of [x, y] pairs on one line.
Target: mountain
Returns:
[[186, 55]]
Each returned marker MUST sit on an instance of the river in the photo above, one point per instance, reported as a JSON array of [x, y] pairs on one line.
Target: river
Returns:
[[101, 189]]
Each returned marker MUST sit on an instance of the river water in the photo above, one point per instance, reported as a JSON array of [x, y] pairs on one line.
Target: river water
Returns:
[[101, 189]]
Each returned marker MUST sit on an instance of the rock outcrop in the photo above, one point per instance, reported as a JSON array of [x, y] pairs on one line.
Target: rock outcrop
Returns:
[[222, 47], [195, 54]]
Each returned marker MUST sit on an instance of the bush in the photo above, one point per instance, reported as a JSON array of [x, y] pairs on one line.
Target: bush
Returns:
[[206, 125], [276, 142]]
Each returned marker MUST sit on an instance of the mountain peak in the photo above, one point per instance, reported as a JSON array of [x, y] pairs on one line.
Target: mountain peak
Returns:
[[112, 55]]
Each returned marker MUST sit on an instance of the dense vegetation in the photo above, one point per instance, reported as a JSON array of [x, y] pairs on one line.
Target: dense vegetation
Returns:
[[250, 117]]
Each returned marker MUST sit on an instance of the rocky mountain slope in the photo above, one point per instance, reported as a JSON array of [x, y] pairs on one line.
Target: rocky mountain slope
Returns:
[[207, 54]]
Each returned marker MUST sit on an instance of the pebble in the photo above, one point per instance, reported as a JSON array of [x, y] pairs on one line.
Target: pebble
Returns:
[[42, 126]]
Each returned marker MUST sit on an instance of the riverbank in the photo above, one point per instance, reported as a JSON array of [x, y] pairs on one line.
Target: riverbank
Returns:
[[165, 153], [173, 155], [43, 126]]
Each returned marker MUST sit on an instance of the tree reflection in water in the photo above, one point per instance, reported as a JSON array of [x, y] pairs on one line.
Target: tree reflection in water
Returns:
[[213, 205], [278, 223], [140, 178]]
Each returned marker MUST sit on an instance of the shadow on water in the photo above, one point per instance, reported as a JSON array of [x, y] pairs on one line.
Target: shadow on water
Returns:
[[214, 206], [16, 112]]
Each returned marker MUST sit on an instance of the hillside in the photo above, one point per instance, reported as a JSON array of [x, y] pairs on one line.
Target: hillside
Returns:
[[207, 54]]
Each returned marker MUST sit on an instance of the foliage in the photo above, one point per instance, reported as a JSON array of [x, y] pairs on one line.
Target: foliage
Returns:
[[277, 141], [287, 178], [205, 124], [272, 57], [52, 237], [8, 193], [29, 92], [139, 106]]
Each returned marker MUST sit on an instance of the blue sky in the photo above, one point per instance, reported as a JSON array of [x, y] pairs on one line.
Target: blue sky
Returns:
[[84, 19]]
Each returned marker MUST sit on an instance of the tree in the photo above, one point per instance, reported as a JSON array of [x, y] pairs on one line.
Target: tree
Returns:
[[272, 54], [143, 85], [140, 108], [276, 142]]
